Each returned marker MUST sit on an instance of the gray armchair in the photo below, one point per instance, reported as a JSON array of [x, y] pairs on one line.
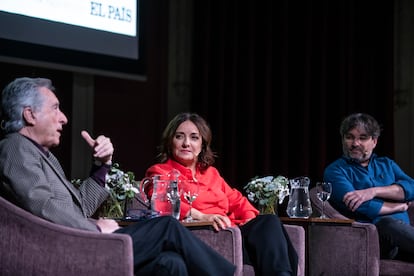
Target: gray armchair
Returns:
[[30, 245], [229, 244], [349, 250]]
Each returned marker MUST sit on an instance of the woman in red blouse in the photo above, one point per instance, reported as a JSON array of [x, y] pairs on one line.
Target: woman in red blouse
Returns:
[[185, 146]]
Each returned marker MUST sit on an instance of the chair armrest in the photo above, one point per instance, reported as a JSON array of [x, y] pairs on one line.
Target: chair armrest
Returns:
[[297, 237], [30, 245], [411, 213], [344, 249], [226, 242]]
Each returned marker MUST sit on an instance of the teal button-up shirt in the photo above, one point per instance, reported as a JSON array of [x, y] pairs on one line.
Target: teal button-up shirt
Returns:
[[347, 175]]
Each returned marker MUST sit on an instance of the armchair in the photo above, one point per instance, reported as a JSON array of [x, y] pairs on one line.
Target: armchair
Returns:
[[229, 244], [349, 250], [30, 245]]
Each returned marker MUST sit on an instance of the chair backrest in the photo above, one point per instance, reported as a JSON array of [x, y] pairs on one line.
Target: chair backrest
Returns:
[[329, 211]]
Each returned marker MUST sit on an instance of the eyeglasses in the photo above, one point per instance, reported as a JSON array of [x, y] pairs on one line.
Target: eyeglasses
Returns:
[[352, 138]]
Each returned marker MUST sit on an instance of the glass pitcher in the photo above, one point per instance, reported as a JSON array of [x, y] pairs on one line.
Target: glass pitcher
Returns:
[[165, 199], [299, 205]]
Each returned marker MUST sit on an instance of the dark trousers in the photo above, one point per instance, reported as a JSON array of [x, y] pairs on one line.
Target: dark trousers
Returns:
[[162, 246], [267, 247], [396, 239]]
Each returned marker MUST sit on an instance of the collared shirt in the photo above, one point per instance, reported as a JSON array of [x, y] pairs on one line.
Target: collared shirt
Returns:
[[347, 175], [215, 195]]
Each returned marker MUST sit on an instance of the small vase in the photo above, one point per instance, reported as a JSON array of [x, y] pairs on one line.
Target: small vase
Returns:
[[112, 209], [128, 205], [268, 209]]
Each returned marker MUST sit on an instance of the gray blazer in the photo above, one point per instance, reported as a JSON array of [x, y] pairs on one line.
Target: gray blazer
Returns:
[[36, 182]]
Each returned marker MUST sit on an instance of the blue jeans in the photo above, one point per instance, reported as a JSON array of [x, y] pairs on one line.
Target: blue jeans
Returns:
[[396, 239]]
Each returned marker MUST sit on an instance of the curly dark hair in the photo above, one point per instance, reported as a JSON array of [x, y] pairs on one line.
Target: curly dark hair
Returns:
[[206, 158], [363, 120]]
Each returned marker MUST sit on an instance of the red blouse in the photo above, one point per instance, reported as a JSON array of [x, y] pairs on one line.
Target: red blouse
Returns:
[[215, 195]]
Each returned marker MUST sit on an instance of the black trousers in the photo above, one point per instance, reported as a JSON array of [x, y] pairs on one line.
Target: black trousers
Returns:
[[162, 246], [267, 247], [396, 239]]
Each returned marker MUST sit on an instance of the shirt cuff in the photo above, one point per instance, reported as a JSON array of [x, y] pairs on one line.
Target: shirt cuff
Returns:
[[98, 173]]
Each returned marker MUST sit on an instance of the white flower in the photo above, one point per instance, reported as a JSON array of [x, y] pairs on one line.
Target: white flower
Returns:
[[130, 187], [121, 186], [119, 183], [265, 190]]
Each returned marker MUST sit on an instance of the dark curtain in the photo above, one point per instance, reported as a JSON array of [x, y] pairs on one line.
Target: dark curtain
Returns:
[[275, 78]]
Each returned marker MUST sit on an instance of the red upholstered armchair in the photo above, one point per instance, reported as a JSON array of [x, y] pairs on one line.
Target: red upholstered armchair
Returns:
[[349, 250]]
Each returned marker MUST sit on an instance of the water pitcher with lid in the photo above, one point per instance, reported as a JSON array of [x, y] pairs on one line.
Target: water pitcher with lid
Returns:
[[299, 205]]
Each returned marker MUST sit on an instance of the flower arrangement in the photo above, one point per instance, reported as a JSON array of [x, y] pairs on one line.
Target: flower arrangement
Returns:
[[266, 192], [122, 186]]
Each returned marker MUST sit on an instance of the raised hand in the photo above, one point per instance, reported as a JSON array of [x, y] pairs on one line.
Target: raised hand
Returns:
[[102, 147]]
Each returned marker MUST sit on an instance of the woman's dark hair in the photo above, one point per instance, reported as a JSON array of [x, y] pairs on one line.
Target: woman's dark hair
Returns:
[[206, 157]]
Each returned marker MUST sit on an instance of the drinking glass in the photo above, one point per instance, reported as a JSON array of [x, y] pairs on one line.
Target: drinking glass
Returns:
[[173, 197], [190, 191], [323, 192]]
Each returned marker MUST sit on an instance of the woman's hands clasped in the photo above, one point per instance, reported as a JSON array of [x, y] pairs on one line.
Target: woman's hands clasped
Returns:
[[219, 221]]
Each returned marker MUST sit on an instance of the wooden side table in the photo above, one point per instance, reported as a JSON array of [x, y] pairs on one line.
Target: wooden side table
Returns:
[[315, 220], [307, 224], [197, 223]]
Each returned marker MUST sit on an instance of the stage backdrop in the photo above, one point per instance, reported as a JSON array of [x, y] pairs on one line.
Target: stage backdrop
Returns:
[[275, 78]]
